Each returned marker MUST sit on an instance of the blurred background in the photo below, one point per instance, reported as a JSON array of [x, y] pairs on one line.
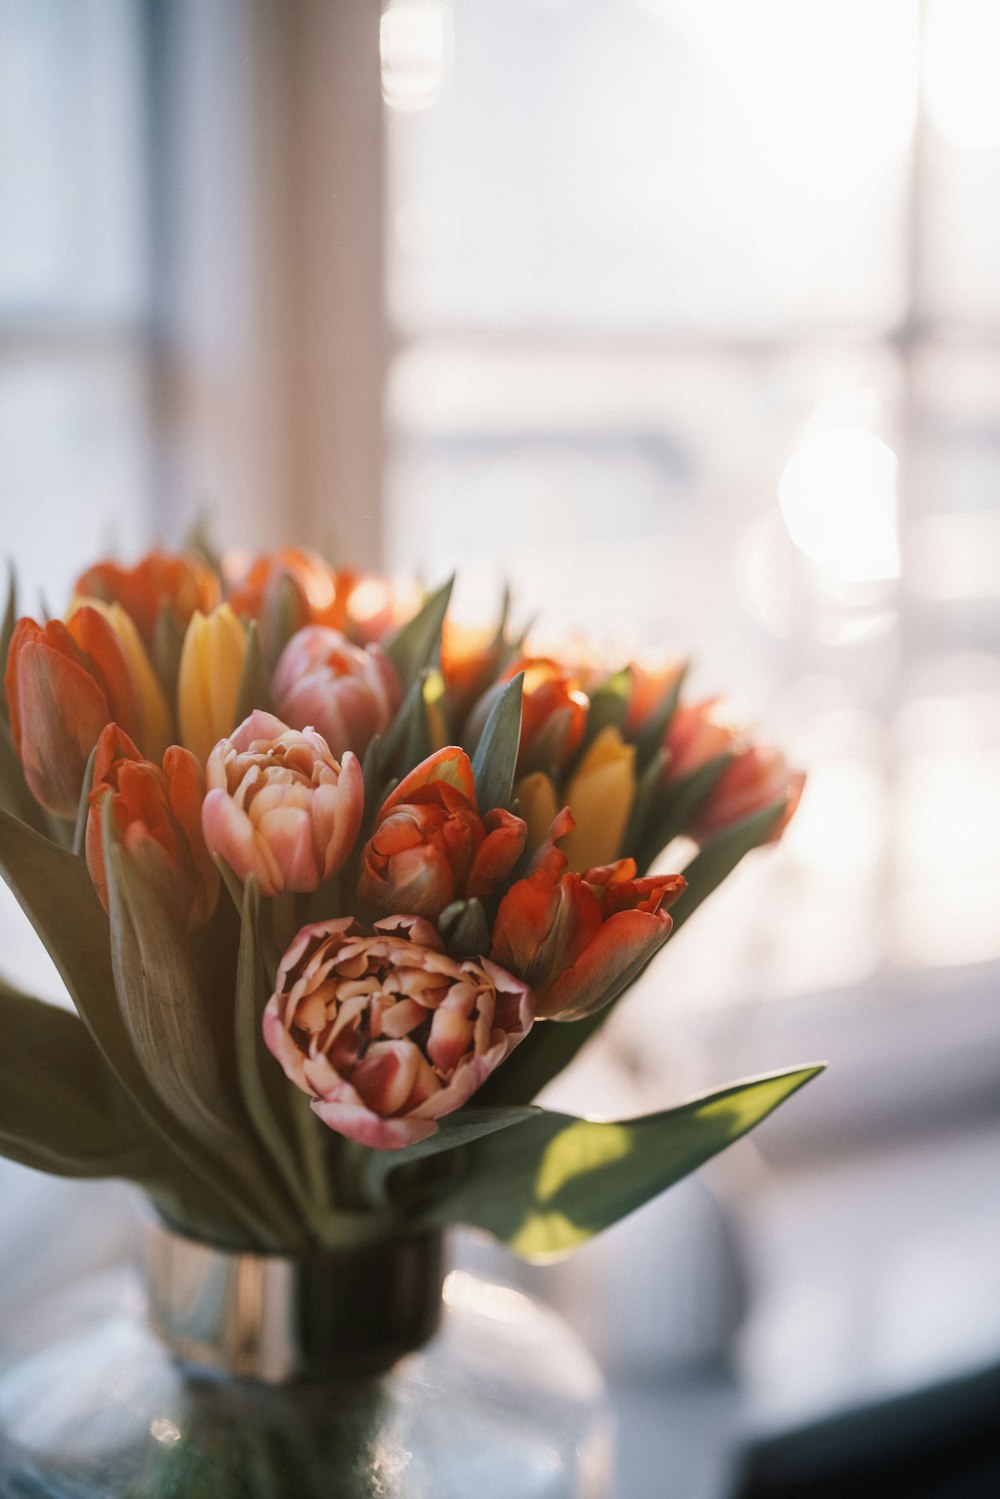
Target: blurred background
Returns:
[[684, 317]]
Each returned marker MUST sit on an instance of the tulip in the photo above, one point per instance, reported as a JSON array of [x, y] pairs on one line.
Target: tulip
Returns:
[[386, 1032], [157, 814], [347, 694], [279, 806], [600, 795], [208, 683], [553, 714], [430, 846], [156, 728], [648, 689], [695, 736], [578, 940], [64, 683], [313, 591], [183, 582], [537, 803], [757, 777], [469, 661]]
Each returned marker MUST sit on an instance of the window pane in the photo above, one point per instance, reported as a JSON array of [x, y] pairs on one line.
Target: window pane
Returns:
[[643, 164]]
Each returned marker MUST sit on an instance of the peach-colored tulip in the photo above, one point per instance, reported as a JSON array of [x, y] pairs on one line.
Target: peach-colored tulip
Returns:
[[758, 776], [385, 1031], [580, 939], [279, 806], [324, 682], [64, 683], [157, 813], [430, 845]]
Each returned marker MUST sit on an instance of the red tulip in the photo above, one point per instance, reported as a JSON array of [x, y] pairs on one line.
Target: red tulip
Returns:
[[157, 813], [695, 736], [386, 1032], [347, 694], [757, 777], [579, 939], [64, 683], [430, 845]]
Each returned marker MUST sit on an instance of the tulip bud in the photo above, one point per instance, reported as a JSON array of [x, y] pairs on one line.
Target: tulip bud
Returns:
[[579, 940], [183, 583], [757, 777], [209, 680], [600, 795], [648, 689], [386, 1032], [536, 799], [347, 694], [157, 813], [279, 806], [696, 735], [553, 714], [156, 727], [430, 846], [64, 683]]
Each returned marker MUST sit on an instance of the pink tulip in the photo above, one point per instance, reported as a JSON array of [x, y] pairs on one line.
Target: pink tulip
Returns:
[[695, 736], [349, 695], [279, 806], [385, 1031]]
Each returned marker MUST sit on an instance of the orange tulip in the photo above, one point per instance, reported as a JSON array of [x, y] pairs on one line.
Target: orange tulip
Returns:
[[183, 581], [469, 661], [648, 686], [757, 777], [553, 714], [430, 845], [157, 813], [578, 940], [386, 1032], [316, 593], [64, 683]]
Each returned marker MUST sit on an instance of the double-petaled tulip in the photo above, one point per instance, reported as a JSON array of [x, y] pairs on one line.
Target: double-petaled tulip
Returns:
[[208, 684], [386, 1032], [553, 714], [64, 683], [430, 846], [757, 776], [157, 815], [279, 806], [349, 695], [578, 940], [181, 583]]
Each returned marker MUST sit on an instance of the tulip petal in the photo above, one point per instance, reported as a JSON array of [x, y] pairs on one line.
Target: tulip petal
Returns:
[[623, 945], [450, 765]]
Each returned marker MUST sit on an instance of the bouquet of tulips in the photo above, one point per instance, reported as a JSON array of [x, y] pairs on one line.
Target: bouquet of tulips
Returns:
[[336, 887]]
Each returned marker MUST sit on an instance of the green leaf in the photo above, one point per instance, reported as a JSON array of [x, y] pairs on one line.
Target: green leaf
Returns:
[[719, 856], [168, 645], [464, 927], [654, 731], [60, 1107], [417, 643], [263, 1084], [407, 731], [495, 760], [83, 810], [6, 631], [395, 1175], [159, 998], [607, 706], [554, 1182], [54, 890], [255, 688], [673, 808]]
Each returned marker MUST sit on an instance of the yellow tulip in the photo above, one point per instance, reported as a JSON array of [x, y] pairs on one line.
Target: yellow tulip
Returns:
[[536, 798], [208, 683], [157, 730], [600, 796], [437, 724]]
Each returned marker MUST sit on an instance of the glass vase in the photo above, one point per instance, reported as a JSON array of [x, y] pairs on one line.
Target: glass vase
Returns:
[[364, 1374]]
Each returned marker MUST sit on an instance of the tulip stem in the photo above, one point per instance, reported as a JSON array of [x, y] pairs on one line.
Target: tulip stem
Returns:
[[312, 1149]]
